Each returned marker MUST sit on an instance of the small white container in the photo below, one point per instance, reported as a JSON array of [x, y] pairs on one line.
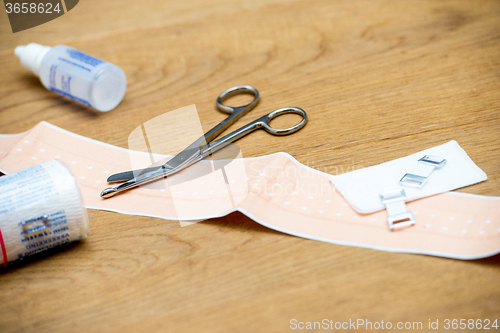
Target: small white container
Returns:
[[76, 75]]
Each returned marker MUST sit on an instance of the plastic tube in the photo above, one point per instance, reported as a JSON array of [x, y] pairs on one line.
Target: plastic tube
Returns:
[[76, 75]]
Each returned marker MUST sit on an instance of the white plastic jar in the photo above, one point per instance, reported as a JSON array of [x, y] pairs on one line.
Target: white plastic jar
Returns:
[[76, 75]]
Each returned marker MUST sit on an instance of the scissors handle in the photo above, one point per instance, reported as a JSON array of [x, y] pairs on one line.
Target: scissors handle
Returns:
[[261, 123], [238, 90]]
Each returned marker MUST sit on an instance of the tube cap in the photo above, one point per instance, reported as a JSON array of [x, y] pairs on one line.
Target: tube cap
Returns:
[[31, 56]]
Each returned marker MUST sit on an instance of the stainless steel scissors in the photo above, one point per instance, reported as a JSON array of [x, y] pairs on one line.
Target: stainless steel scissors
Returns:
[[206, 145]]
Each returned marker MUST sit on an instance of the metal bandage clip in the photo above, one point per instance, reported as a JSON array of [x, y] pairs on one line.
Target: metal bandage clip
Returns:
[[397, 215], [424, 168], [35, 225]]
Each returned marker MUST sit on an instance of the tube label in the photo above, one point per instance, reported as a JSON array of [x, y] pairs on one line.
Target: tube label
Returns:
[[63, 83]]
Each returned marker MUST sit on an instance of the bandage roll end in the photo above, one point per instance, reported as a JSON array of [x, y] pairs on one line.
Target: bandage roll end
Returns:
[[41, 207]]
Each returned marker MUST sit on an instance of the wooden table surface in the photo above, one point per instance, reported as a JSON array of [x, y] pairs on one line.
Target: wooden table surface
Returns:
[[379, 80]]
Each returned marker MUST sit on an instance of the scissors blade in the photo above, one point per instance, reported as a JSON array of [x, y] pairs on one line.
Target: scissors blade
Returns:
[[184, 157], [127, 175], [156, 174], [177, 161]]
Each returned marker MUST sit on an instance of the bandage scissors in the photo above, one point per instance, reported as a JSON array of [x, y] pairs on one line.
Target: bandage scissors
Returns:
[[205, 145]]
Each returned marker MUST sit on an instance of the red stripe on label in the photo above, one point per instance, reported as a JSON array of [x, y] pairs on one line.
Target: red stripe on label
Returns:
[[4, 252]]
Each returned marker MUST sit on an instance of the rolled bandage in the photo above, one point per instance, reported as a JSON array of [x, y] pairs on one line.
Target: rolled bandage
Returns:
[[40, 207]]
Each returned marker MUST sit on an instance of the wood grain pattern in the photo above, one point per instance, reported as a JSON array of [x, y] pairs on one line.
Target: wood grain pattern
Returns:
[[379, 80]]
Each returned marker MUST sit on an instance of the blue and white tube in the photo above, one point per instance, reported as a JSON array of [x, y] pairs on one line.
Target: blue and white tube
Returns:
[[76, 75]]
